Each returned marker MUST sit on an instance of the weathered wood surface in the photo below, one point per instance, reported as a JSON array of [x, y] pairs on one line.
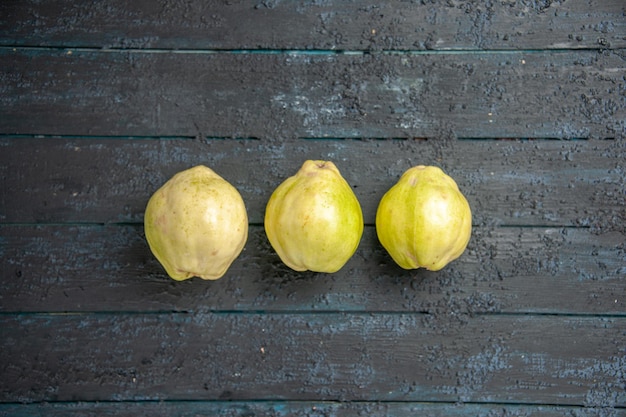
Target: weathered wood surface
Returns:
[[564, 94], [311, 24], [102, 101], [315, 357], [522, 183], [505, 270]]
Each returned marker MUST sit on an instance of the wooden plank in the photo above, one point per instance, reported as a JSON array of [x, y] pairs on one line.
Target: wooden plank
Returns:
[[554, 183], [278, 96], [505, 270], [314, 357], [361, 25], [292, 408]]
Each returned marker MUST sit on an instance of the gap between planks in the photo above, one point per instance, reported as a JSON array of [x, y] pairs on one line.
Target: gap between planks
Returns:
[[412, 52], [16, 136], [313, 403], [304, 313]]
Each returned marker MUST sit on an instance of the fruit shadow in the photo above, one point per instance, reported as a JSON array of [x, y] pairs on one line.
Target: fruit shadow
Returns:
[[259, 281], [369, 281]]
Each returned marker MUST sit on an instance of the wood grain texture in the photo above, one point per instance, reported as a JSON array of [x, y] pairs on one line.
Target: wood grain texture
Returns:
[[397, 357], [504, 270], [102, 101], [309, 24], [534, 182], [295, 409], [282, 96]]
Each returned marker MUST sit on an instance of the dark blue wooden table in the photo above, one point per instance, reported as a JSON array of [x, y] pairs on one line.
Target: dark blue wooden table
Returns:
[[522, 102]]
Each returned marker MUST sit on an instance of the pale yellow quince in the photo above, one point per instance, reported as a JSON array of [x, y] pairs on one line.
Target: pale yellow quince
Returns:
[[313, 220], [424, 221], [196, 224]]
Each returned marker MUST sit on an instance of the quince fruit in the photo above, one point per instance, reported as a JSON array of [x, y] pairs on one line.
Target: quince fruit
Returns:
[[424, 220], [196, 224], [313, 220]]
